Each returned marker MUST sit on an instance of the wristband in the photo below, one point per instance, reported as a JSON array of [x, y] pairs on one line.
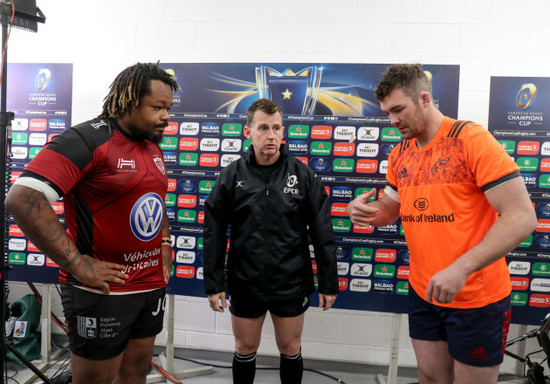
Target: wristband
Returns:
[[166, 238], [168, 244]]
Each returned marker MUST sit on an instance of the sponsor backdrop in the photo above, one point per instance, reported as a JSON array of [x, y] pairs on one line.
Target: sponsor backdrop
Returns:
[[518, 107], [333, 124], [40, 95]]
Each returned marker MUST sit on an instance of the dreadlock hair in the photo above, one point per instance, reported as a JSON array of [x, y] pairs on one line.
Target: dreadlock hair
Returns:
[[265, 105], [131, 85], [410, 78]]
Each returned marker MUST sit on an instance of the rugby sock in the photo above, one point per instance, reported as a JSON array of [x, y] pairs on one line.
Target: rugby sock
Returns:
[[291, 369], [244, 368]]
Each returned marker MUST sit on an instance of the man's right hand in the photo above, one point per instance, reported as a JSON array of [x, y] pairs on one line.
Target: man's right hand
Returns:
[[215, 299], [360, 212], [96, 273]]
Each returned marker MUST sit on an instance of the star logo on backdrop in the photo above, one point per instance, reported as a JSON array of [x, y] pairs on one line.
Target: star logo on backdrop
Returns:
[[286, 94]]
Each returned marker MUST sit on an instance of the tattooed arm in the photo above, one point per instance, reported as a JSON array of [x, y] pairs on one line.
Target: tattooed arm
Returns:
[[37, 219]]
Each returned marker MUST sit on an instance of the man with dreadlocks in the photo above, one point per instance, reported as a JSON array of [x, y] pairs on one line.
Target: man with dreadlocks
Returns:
[[116, 254]]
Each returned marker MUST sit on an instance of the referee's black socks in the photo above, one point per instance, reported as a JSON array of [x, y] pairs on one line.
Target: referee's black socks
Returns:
[[244, 368], [291, 369]]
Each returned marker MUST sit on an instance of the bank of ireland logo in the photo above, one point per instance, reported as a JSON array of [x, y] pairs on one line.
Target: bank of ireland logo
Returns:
[[146, 216], [526, 95], [42, 79], [421, 204]]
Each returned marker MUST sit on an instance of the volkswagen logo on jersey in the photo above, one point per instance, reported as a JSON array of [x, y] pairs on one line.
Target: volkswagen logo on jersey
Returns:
[[146, 216]]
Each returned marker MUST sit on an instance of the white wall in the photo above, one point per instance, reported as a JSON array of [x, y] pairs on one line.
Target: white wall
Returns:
[[101, 37]]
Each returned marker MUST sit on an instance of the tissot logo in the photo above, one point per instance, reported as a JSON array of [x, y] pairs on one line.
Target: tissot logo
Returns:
[[367, 150], [189, 129], [185, 257], [421, 204], [383, 169], [343, 268], [227, 159], [519, 267], [360, 285], [344, 133], [210, 144], [545, 148]]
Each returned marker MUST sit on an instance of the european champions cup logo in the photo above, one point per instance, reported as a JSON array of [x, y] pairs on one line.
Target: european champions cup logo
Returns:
[[295, 92], [42, 79], [526, 95]]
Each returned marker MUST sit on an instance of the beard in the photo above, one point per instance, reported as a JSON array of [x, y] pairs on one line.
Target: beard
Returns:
[[155, 139]]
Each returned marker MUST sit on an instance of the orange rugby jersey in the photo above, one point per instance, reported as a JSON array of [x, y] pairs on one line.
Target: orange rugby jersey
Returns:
[[444, 211]]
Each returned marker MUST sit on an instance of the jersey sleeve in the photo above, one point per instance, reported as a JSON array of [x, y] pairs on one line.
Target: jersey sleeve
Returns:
[[488, 160], [64, 160]]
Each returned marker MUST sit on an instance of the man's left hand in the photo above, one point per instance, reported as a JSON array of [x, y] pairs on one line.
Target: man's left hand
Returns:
[[326, 301]]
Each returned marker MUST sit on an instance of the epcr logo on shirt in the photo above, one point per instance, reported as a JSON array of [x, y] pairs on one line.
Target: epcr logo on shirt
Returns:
[[146, 216], [291, 182]]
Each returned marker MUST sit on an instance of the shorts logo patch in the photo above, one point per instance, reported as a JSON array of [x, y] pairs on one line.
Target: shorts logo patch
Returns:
[[146, 216], [86, 327], [478, 354]]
